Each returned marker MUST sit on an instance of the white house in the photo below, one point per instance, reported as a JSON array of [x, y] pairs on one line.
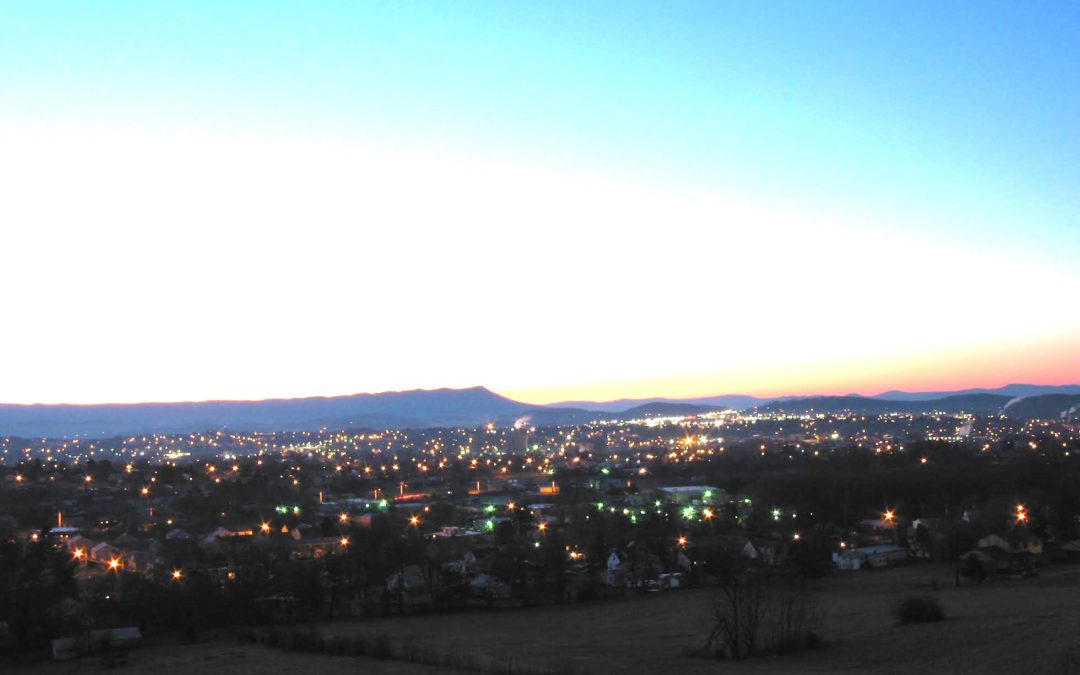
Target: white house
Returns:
[[869, 556]]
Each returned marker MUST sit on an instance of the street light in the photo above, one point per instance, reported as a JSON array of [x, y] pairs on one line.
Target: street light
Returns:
[[176, 575]]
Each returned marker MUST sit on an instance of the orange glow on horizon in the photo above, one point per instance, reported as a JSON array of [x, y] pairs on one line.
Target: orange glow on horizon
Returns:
[[1044, 362]]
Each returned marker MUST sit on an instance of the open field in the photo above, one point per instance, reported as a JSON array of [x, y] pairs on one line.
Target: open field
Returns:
[[223, 657], [1022, 626], [1008, 626]]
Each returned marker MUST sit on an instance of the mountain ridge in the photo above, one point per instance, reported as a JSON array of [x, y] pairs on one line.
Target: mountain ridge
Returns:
[[473, 406]]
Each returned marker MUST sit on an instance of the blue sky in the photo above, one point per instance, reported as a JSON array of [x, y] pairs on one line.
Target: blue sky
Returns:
[[948, 122]]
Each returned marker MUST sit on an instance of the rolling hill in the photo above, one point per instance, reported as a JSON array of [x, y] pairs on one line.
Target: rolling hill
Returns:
[[475, 406], [1046, 406], [1010, 390], [402, 409]]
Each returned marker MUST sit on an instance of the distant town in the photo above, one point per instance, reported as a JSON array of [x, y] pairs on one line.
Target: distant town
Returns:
[[278, 528]]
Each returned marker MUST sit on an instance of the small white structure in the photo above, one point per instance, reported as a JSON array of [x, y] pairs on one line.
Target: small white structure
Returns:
[[669, 581], [104, 552], [869, 556], [70, 647], [464, 566], [614, 575], [490, 587], [685, 494]]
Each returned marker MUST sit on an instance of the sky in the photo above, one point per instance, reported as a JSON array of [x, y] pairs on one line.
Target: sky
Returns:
[[558, 201]]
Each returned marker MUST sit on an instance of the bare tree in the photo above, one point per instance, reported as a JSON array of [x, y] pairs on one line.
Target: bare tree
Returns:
[[751, 615], [739, 610]]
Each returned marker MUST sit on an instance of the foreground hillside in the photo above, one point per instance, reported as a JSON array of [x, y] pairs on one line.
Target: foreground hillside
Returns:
[[1008, 626], [225, 657], [1023, 626]]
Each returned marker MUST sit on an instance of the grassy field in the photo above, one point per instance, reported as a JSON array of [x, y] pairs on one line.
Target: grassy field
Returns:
[[1008, 626], [222, 657]]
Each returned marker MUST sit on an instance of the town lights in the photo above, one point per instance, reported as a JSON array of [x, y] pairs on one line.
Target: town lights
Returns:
[[889, 515], [542, 526], [343, 517], [682, 542], [414, 521], [114, 564], [79, 553], [176, 575], [264, 528], [344, 541]]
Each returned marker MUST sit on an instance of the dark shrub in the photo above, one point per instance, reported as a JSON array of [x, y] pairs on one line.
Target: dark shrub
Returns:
[[919, 609]]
